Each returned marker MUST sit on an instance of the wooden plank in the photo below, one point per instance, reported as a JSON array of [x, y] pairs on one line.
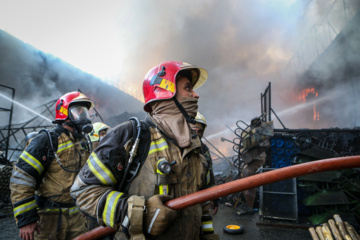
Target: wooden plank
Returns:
[[354, 235], [313, 234], [320, 233], [334, 230], [341, 226], [327, 232]]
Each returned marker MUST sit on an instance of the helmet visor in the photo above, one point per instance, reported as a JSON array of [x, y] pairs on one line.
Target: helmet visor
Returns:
[[78, 113]]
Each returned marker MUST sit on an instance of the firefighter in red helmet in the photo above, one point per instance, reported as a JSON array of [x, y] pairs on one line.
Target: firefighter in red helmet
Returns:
[[46, 169], [168, 164]]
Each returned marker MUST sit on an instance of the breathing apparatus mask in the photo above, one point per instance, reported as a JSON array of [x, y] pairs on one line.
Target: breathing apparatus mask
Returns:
[[80, 119]]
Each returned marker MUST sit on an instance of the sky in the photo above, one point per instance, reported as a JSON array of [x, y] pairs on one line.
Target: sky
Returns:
[[103, 37], [243, 44]]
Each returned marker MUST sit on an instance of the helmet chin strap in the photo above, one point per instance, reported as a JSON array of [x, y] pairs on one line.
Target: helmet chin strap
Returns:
[[189, 119]]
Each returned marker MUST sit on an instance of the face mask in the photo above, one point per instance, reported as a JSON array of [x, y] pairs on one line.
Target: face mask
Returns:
[[79, 116]]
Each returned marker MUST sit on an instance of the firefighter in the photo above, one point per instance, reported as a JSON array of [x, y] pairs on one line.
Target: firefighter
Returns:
[[98, 132], [199, 127], [172, 166], [45, 171]]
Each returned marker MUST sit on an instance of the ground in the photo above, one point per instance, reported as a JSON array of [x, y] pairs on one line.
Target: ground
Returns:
[[255, 228]]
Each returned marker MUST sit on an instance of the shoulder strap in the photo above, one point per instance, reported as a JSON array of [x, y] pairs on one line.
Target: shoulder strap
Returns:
[[52, 142], [142, 151]]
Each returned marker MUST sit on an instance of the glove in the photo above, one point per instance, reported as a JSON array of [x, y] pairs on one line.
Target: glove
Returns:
[[158, 216]]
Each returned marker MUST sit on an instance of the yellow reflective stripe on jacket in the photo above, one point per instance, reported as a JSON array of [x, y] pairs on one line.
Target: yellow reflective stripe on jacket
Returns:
[[99, 169], [64, 146], [110, 208], [158, 145], [207, 226], [21, 179], [71, 210], [32, 161], [24, 207], [22, 182], [163, 189], [208, 177]]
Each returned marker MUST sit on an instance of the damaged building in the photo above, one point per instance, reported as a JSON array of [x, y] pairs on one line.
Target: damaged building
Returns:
[[327, 91]]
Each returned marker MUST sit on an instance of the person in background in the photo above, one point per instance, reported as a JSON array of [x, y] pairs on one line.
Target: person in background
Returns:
[[199, 127], [98, 132], [45, 171], [171, 166]]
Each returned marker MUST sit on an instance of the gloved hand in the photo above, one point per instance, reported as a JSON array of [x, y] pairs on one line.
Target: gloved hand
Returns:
[[158, 216]]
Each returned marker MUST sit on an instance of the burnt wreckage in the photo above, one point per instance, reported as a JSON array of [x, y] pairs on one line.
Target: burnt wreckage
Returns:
[[260, 147]]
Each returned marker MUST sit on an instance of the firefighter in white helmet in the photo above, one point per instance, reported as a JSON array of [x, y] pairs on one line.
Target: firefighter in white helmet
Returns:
[[199, 127], [99, 131]]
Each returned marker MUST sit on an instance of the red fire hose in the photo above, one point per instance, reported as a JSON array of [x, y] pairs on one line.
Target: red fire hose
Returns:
[[244, 184]]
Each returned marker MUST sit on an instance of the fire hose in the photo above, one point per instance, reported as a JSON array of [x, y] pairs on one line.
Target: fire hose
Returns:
[[243, 184]]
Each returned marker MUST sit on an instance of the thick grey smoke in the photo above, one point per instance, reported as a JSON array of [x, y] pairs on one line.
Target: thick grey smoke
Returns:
[[39, 78], [335, 74], [244, 45]]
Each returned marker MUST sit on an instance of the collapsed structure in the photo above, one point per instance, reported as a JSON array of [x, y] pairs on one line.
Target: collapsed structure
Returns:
[[260, 147]]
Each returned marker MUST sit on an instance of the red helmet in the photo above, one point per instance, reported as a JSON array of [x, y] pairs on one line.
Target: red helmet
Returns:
[[69, 99], [159, 82]]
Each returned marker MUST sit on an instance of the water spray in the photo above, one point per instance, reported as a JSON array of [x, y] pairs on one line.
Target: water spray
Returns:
[[301, 106], [23, 106]]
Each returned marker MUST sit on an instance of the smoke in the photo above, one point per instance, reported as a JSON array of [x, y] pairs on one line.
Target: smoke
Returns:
[[244, 45], [335, 73], [39, 78]]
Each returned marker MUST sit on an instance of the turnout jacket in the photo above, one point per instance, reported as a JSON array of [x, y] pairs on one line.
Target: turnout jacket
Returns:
[[96, 187], [38, 183], [210, 178]]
